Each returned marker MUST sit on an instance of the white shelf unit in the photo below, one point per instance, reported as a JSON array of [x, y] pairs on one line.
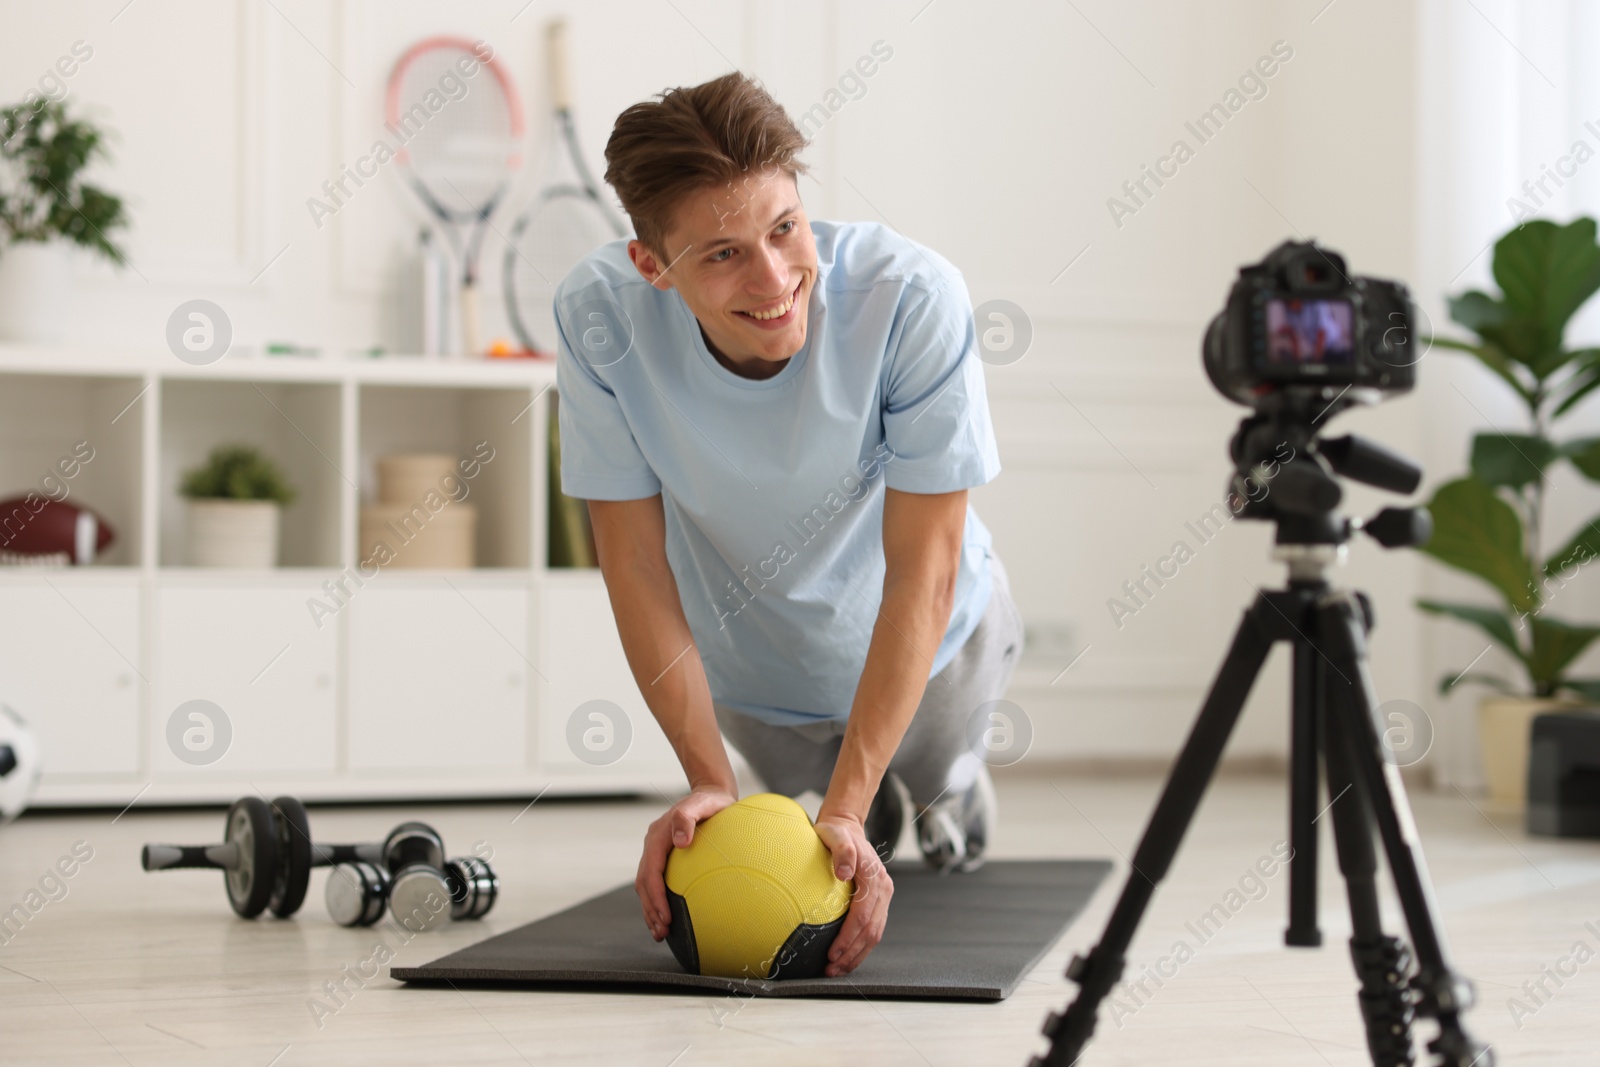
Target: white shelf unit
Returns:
[[409, 684]]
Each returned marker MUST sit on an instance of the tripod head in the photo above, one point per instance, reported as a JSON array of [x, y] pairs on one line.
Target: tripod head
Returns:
[[1285, 472]]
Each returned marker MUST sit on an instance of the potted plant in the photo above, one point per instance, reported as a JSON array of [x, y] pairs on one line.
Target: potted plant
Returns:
[[45, 207], [1491, 522], [234, 503]]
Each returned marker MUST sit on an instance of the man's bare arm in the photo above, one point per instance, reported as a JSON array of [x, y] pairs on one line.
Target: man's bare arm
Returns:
[[922, 555], [631, 538], [921, 548]]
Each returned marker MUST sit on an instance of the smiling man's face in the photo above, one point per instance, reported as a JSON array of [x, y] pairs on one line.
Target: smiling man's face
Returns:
[[744, 261]]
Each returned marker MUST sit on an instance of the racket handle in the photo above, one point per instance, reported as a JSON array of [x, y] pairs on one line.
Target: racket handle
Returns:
[[560, 87], [469, 319]]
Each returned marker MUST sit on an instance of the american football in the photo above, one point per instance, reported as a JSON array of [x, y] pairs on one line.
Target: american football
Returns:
[[36, 529]]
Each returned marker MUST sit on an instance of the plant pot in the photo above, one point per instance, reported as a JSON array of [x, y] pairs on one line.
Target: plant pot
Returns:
[[1504, 724], [34, 281], [233, 533]]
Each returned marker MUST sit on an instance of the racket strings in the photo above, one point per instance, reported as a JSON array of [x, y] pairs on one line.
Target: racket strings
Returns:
[[544, 247], [461, 132]]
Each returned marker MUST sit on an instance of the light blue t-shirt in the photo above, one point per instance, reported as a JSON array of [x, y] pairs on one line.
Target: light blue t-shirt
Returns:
[[773, 490]]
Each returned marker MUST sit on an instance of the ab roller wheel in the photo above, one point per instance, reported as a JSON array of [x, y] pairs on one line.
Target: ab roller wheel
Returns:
[[293, 873], [266, 857], [251, 832]]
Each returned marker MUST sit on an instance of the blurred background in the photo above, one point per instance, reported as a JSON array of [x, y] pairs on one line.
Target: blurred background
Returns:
[[1005, 135]]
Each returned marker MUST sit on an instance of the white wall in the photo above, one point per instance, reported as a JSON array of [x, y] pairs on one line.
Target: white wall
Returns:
[[996, 134]]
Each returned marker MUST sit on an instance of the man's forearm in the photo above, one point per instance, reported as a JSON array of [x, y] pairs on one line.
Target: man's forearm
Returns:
[[667, 668], [660, 648], [911, 623]]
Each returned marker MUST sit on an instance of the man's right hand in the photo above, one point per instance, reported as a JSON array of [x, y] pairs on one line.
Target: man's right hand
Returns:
[[673, 829]]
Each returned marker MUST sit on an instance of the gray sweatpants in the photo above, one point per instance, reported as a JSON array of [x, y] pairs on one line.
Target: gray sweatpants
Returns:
[[935, 755]]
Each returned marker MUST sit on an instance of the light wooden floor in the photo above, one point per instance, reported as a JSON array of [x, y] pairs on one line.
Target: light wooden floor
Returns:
[[135, 968]]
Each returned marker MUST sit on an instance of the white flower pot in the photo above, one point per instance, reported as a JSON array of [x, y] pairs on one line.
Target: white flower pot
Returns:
[[1504, 724], [34, 280], [241, 534]]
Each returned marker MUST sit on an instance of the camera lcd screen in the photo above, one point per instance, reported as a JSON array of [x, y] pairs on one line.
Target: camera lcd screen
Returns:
[[1310, 333]]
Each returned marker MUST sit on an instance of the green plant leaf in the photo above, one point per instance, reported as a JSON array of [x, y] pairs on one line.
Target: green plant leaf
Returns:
[[46, 150], [1476, 310], [237, 472], [1492, 621], [1584, 452], [1578, 552], [1477, 532], [1587, 688], [1448, 682], [1585, 378], [1512, 460], [1494, 359], [1555, 645], [1545, 272]]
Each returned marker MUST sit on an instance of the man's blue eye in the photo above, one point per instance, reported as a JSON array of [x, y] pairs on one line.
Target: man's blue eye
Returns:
[[717, 256], [787, 227]]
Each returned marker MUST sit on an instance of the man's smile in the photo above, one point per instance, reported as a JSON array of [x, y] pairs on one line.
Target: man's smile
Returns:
[[775, 314]]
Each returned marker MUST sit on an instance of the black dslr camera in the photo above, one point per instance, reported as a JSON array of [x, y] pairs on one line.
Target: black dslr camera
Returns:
[[1299, 341], [1298, 322]]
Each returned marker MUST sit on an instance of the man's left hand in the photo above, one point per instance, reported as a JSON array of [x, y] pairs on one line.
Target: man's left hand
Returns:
[[854, 858]]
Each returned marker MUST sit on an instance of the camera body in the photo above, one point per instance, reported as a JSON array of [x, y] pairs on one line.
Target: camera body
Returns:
[[1297, 322]]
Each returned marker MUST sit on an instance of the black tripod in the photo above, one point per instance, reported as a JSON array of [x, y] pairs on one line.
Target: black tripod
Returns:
[[1334, 717]]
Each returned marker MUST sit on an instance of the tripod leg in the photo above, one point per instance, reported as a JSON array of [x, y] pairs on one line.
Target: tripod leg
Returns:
[[1383, 964], [1441, 994], [1098, 972], [1309, 687]]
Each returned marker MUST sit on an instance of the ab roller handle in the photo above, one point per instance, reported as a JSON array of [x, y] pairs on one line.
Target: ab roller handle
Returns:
[[227, 857], [190, 857]]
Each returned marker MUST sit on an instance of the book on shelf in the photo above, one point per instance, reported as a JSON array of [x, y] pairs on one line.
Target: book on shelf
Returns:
[[571, 536]]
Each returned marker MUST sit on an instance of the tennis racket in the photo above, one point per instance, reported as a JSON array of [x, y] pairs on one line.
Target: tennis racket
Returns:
[[461, 144], [566, 220]]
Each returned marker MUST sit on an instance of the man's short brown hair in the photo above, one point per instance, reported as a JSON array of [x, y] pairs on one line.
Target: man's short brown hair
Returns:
[[688, 138]]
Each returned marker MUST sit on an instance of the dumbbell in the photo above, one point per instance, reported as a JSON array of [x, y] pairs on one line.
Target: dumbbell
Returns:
[[412, 876]]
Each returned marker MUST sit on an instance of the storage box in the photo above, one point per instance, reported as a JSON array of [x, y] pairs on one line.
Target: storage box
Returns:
[[409, 478], [416, 537]]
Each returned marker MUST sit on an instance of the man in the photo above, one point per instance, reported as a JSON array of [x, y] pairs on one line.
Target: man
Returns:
[[775, 423]]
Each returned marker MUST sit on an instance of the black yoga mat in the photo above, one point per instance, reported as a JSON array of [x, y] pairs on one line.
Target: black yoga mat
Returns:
[[963, 937]]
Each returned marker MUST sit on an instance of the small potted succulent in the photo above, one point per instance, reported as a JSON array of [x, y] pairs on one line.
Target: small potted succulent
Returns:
[[45, 209], [235, 499], [1491, 523]]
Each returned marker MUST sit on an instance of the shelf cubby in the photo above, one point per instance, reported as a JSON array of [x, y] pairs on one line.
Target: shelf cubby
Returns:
[[295, 424], [78, 439], [471, 424]]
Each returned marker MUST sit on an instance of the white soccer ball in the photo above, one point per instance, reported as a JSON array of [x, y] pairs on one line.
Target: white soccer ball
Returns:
[[19, 764]]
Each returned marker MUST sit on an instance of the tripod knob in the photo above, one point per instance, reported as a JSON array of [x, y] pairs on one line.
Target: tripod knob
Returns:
[[1395, 527], [1304, 487]]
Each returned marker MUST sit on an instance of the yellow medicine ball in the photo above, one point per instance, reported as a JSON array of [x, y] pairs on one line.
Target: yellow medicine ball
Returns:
[[754, 895]]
